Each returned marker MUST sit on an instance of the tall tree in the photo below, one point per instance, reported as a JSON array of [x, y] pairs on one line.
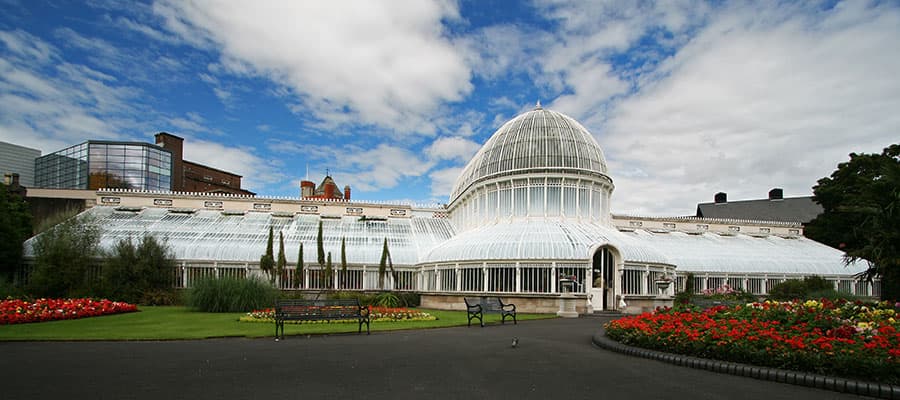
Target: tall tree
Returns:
[[15, 228], [267, 261], [861, 214], [343, 278], [382, 265], [321, 246], [298, 273], [329, 273], [281, 262]]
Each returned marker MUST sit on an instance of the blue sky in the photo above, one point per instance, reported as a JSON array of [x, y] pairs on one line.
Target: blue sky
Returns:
[[393, 98]]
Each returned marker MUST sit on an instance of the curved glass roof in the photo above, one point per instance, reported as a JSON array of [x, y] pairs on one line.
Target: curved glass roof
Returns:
[[539, 240], [538, 139], [740, 254], [216, 236]]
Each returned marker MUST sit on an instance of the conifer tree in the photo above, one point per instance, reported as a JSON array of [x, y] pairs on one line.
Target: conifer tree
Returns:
[[267, 261], [298, 273], [282, 260], [343, 278], [329, 272], [382, 266], [321, 246]]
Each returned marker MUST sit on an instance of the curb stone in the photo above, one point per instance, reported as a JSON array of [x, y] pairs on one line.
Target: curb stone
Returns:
[[843, 385]]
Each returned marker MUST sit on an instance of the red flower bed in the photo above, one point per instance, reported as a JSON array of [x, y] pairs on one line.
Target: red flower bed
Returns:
[[21, 312], [834, 338]]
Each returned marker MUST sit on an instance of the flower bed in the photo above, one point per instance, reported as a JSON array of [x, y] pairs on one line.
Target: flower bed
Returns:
[[379, 314], [841, 338], [20, 311]]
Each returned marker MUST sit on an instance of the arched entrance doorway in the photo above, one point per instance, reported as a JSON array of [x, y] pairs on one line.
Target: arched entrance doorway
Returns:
[[604, 268]]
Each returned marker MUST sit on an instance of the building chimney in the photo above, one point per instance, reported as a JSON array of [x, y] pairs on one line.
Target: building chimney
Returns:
[[776, 194], [307, 188], [721, 198], [347, 192], [175, 145], [329, 190]]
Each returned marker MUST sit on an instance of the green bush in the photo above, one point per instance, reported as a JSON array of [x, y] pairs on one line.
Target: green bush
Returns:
[[131, 272], [231, 295], [65, 257], [810, 287]]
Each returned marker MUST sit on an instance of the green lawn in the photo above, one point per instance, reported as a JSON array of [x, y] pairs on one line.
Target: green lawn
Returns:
[[163, 323]]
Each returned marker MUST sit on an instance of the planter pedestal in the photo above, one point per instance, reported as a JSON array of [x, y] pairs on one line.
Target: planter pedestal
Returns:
[[567, 306]]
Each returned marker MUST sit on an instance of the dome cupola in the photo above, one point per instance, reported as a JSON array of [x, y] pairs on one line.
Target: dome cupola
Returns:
[[539, 139], [541, 164]]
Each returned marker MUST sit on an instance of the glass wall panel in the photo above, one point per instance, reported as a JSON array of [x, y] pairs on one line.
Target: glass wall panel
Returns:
[[491, 206], [505, 203], [520, 195], [536, 200], [570, 198], [584, 203], [553, 200]]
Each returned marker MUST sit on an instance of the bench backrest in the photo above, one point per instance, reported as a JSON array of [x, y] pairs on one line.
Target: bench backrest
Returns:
[[318, 309], [491, 304], [487, 303]]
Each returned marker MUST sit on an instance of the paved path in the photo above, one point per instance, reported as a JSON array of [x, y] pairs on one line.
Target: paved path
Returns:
[[555, 359]]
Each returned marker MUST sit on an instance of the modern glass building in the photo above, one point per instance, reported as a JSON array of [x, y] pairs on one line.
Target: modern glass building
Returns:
[[101, 164]]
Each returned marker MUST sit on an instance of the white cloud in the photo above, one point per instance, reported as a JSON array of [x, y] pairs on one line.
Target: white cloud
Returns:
[[255, 170], [48, 103], [442, 181], [760, 98], [380, 168], [452, 148], [382, 63]]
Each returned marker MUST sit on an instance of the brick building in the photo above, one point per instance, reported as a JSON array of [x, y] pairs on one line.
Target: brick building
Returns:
[[326, 190], [188, 176]]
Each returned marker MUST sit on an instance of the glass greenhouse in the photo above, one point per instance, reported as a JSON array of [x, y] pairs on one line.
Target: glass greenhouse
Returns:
[[529, 217]]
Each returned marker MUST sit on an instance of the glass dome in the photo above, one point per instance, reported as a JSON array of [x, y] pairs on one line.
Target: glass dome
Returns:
[[536, 140]]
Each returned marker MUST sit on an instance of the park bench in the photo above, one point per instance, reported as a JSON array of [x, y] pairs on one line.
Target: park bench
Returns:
[[320, 310], [476, 307]]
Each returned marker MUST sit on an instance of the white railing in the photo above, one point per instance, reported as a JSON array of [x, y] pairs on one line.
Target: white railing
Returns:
[[524, 278], [763, 284]]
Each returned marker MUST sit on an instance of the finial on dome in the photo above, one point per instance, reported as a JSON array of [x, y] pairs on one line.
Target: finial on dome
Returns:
[[538, 105]]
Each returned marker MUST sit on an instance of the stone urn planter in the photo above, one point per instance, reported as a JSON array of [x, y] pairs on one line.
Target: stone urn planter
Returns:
[[663, 286]]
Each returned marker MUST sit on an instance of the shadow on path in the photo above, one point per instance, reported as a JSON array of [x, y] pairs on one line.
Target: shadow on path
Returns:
[[554, 359]]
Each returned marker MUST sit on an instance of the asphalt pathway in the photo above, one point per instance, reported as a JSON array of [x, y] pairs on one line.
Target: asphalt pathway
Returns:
[[554, 359]]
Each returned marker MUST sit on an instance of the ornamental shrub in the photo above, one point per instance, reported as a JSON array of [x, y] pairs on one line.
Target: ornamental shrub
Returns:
[[230, 294], [387, 299], [132, 271], [810, 287]]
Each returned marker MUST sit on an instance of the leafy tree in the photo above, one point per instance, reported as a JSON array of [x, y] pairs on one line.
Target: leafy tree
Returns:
[[298, 274], [64, 256], [138, 273], [282, 261], [343, 263], [15, 228], [321, 246], [861, 214], [329, 272], [267, 261]]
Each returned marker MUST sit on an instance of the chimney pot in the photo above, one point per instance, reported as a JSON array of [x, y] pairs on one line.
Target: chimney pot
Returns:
[[721, 198], [776, 194]]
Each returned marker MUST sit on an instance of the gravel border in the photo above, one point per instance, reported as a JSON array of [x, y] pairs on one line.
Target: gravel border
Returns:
[[843, 385]]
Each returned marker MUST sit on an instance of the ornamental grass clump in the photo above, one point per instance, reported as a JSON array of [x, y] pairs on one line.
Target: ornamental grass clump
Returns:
[[230, 294], [841, 338]]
